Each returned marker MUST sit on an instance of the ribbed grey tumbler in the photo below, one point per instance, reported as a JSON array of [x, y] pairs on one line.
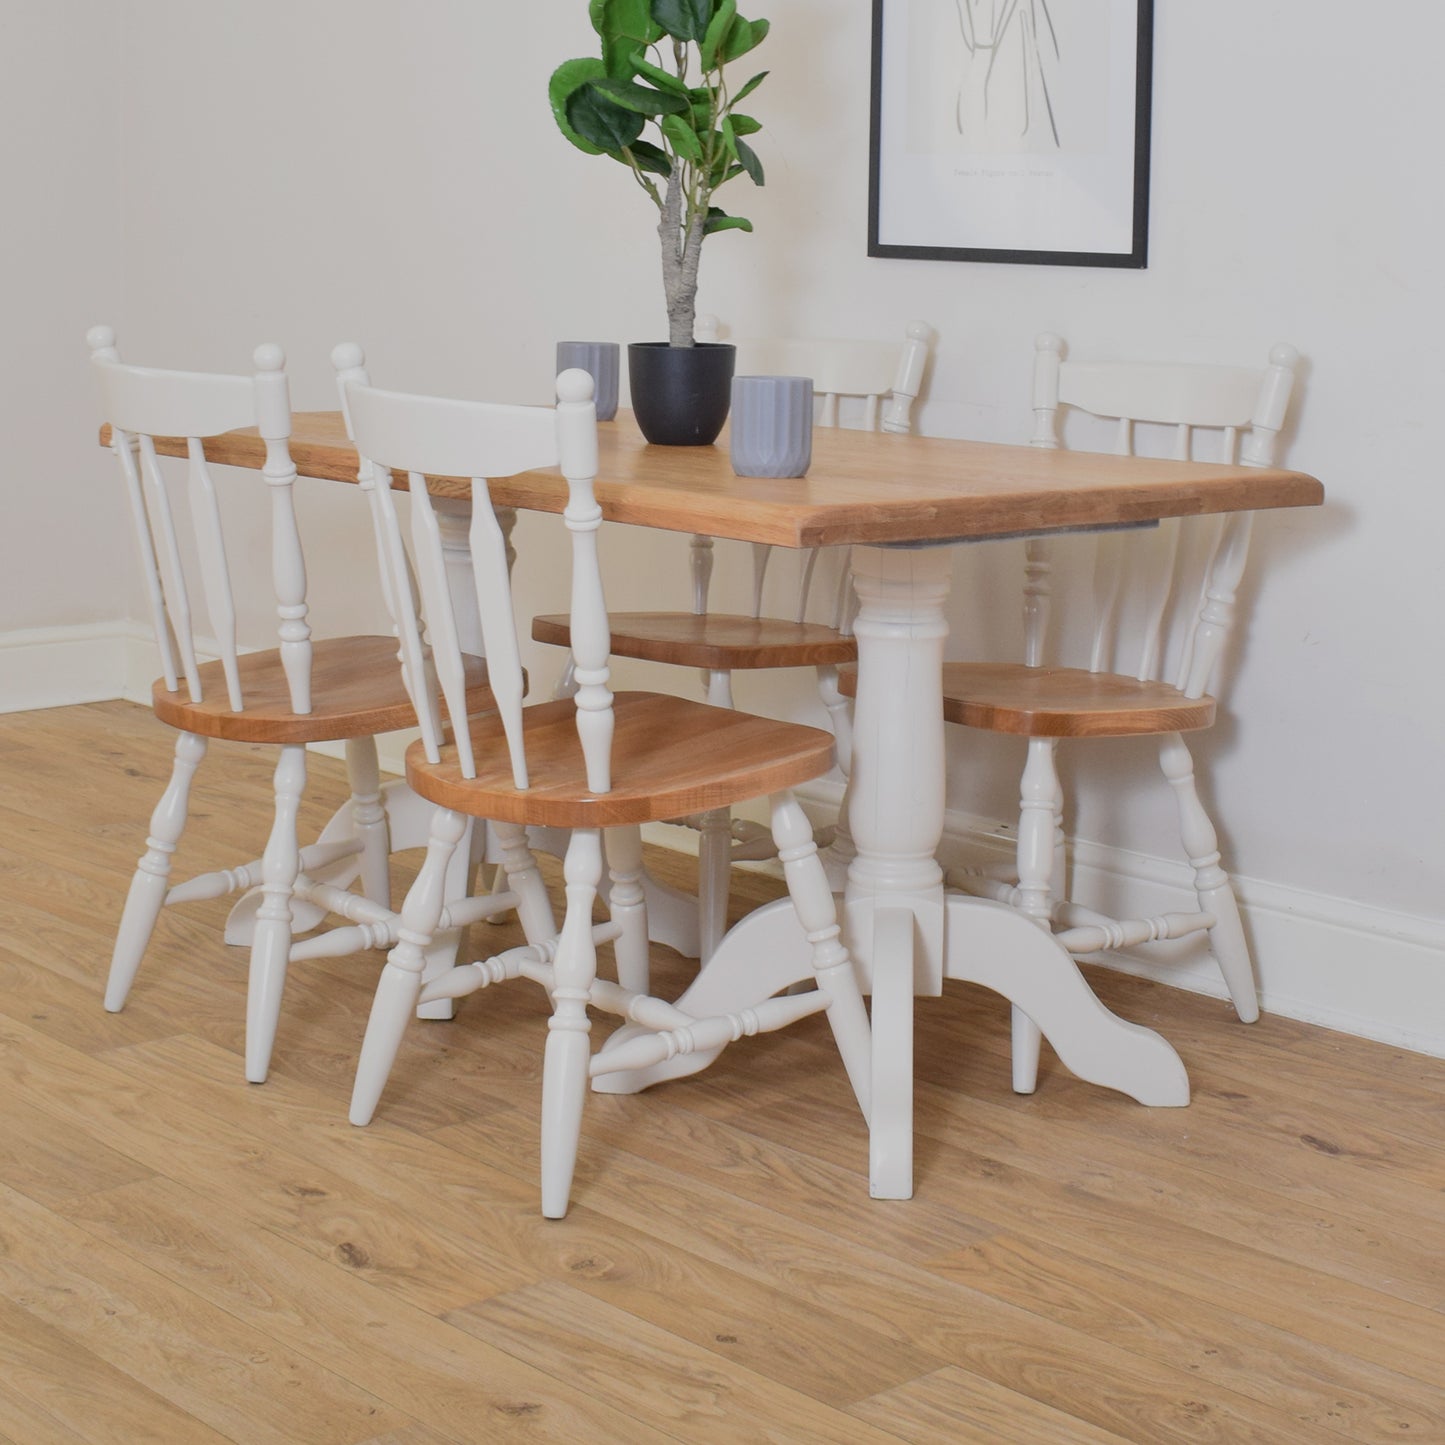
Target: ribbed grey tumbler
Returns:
[[772, 425]]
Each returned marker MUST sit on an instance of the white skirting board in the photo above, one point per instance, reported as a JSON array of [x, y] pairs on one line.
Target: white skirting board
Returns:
[[61, 666], [1324, 960]]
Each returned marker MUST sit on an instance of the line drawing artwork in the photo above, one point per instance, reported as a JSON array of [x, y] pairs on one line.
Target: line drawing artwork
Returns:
[[1013, 131], [1004, 98]]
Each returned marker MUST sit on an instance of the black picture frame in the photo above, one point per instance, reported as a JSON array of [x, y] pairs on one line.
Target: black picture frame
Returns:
[[1125, 166]]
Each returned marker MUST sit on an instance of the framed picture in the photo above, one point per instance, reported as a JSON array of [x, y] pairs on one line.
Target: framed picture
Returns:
[[1011, 130]]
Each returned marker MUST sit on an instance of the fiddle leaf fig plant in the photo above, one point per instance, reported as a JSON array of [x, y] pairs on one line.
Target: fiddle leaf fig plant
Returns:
[[663, 66]]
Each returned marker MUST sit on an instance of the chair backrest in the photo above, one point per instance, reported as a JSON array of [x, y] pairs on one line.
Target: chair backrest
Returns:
[[882, 377], [140, 404], [426, 435], [1162, 600]]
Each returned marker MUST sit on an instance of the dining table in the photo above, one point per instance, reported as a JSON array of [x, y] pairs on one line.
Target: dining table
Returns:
[[898, 501]]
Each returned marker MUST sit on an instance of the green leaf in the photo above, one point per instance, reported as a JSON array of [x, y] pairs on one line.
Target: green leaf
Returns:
[[681, 137], [641, 98], [719, 220], [748, 157], [597, 118], [626, 27], [662, 79], [624, 17], [734, 126], [751, 86], [650, 157], [683, 19], [743, 37], [717, 30], [567, 80]]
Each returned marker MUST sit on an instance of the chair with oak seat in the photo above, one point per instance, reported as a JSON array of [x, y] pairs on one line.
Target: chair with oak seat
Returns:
[[878, 381], [595, 764], [301, 691], [1148, 628]]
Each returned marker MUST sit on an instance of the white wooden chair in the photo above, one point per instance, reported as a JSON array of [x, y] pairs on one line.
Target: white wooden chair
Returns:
[[301, 691], [1148, 639], [871, 385], [591, 764]]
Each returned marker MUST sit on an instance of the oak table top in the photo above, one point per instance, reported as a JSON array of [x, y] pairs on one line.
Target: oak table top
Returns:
[[862, 487]]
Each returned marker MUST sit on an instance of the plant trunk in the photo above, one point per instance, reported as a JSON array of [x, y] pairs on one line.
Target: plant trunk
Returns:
[[681, 252]]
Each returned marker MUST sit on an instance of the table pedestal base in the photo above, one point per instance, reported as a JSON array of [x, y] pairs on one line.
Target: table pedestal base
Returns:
[[986, 943]]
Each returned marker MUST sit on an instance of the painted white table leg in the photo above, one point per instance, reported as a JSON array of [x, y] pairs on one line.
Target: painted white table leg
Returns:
[[894, 909], [995, 945], [890, 1132], [672, 917]]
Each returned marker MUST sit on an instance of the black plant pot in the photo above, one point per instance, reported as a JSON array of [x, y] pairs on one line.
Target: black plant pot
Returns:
[[680, 394]]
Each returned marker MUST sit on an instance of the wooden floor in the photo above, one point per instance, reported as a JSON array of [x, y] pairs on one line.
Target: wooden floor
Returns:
[[185, 1257]]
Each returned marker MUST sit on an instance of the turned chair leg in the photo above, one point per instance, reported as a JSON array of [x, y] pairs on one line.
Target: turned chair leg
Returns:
[[720, 689], [522, 877], [566, 680], [400, 983], [1211, 882], [565, 1062], [368, 815], [840, 717], [148, 887], [627, 905], [1037, 869], [714, 865], [271, 946], [1060, 878], [832, 967]]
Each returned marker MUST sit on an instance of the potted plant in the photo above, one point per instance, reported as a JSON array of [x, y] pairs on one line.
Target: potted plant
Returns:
[[663, 66]]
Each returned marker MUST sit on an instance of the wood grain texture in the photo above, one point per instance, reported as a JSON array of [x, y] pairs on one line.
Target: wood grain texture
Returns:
[[356, 691], [670, 757], [43, 1402], [861, 486], [637, 1366], [717, 641], [1060, 702], [970, 1409], [237, 1380], [1260, 1266]]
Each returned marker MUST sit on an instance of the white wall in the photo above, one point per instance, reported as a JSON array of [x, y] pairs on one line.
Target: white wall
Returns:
[[307, 170], [61, 126]]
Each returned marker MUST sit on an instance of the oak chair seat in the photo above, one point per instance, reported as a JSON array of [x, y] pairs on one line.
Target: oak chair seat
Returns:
[[1061, 702], [671, 756], [357, 691], [713, 641]]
